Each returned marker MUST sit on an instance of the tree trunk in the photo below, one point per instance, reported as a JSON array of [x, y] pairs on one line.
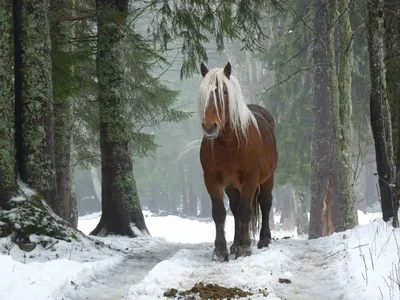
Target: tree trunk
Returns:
[[392, 61], [120, 203], [192, 201], [153, 207], [205, 205], [340, 73], [63, 116], [379, 106], [185, 203], [85, 193], [34, 97], [287, 214], [300, 213], [324, 211], [8, 177]]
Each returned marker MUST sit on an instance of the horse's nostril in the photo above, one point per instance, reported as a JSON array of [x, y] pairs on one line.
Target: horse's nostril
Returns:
[[209, 128]]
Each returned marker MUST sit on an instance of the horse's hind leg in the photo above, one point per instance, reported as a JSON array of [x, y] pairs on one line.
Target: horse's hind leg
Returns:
[[234, 200], [265, 200]]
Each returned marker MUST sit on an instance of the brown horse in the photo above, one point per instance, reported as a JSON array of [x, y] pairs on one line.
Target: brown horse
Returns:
[[238, 155]]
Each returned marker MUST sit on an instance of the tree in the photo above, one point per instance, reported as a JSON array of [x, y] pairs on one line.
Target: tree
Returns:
[[392, 62], [62, 76], [340, 66], [7, 151], [324, 211], [379, 106], [34, 97], [26, 213], [119, 200]]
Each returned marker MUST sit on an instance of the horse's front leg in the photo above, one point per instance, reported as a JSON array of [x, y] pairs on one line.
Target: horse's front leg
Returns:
[[219, 215], [245, 206], [234, 200]]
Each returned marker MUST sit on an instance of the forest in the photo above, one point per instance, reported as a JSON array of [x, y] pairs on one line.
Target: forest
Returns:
[[99, 110]]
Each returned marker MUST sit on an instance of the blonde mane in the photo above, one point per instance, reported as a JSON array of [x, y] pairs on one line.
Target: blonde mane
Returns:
[[239, 114]]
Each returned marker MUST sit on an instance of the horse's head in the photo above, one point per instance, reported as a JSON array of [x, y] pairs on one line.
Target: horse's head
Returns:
[[214, 100]]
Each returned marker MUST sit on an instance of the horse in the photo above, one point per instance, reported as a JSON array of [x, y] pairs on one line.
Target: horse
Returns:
[[238, 155]]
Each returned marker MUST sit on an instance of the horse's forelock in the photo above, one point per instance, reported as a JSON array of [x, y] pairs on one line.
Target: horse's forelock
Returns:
[[239, 114]]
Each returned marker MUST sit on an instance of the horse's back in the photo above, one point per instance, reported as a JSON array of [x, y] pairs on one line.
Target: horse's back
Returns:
[[266, 122]]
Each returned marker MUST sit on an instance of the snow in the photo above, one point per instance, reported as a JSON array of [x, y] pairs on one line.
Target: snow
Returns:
[[362, 263]]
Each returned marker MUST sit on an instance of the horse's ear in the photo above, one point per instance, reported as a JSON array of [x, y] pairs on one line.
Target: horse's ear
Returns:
[[203, 69], [227, 70]]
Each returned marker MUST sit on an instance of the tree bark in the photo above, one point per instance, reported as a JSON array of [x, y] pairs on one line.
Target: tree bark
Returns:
[[8, 177], [34, 97], [324, 211], [340, 74], [379, 106], [392, 62], [120, 202], [65, 206]]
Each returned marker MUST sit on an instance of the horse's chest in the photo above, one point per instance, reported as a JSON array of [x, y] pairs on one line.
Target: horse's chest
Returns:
[[231, 168]]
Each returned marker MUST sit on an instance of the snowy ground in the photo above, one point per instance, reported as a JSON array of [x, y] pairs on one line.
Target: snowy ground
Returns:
[[362, 263]]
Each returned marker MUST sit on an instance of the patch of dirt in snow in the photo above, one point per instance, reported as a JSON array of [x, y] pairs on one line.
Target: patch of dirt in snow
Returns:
[[209, 291]]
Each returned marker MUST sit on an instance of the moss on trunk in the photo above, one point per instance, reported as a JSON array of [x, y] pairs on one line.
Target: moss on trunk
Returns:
[[34, 97], [29, 214], [8, 183], [62, 76], [120, 201]]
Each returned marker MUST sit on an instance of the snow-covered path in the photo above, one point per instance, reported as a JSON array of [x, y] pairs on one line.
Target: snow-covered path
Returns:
[[310, 266], [362, 263], [114, 282]]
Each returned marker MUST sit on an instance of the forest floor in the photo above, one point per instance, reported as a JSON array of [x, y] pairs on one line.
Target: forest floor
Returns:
[[362, 263]]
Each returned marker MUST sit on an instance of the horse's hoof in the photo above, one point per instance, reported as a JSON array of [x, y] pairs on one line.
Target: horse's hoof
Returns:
[[234, 248], [263, 243], [220, 255], [243, 251]]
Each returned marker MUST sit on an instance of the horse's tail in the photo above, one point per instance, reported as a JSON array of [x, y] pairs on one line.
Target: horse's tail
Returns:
[[255, 214]]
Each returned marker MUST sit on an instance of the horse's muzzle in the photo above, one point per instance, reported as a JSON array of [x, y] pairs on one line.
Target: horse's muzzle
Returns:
[[210, 130]]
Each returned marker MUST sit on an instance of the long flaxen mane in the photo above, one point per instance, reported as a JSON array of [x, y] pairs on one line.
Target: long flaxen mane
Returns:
[[240, 115]]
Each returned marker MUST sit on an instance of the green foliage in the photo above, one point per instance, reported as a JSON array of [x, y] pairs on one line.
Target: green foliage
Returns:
[[290, 99], [149, 100], [191, 21]]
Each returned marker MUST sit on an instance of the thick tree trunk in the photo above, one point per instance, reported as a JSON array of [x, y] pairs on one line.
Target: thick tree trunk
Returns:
[[65, 207], [8, 183], [324, 211], [120, 203], [379, 106], [340, 73], [34, 97], [392, 61]]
